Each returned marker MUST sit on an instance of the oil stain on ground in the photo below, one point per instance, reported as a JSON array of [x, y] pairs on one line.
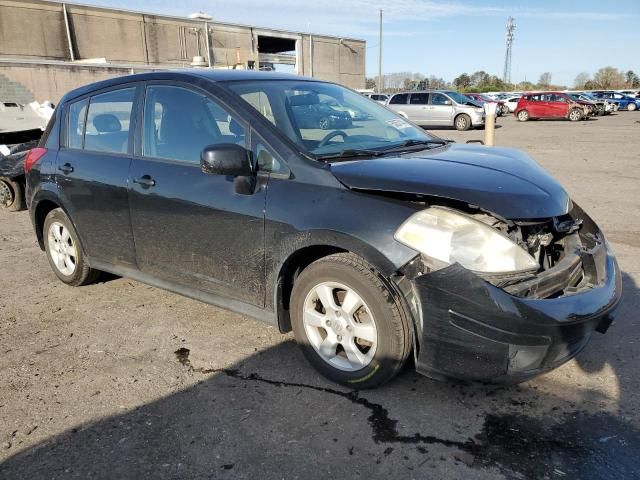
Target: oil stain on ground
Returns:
[[578, 445]]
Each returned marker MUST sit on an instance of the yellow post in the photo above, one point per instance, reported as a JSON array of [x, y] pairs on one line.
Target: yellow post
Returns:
[[489, 123]]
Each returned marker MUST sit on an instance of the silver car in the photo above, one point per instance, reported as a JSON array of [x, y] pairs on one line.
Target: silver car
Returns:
[[440, 108]]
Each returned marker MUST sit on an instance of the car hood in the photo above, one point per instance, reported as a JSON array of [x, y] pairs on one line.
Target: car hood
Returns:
[[504, 181]]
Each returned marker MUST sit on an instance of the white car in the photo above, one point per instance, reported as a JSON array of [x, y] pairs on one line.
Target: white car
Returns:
[[511, 103], [381, 98]]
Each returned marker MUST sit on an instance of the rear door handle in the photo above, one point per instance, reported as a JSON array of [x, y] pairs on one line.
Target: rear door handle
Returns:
[[66, 168], [145, 181]]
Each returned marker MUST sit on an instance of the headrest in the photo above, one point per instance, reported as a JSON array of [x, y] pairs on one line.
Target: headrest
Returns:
[[107, 123]]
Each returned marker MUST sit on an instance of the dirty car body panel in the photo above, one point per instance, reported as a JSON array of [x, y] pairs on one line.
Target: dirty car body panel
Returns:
[[239, 241]]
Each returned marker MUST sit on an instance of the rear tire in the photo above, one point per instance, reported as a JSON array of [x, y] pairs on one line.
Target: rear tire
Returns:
[[11, 195], [462, 122], [523, 116], [64, 250], [631, 107], [324, 123], [334, 301]]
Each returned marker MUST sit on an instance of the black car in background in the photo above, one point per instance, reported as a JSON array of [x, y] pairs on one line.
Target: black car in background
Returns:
[[372, 241], [309, 112]]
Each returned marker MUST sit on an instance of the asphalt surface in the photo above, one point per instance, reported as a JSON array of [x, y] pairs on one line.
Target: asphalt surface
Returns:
[[122, 380]]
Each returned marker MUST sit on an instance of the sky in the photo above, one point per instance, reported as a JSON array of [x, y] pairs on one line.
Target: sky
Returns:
[[446, 38]]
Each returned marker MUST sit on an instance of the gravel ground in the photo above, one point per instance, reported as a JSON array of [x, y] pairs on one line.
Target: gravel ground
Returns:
[[122, 380]]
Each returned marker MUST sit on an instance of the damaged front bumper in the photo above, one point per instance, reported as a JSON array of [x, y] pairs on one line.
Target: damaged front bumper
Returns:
[[470, 329]]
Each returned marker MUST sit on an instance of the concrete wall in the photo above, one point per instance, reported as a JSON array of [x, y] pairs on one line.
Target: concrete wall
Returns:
[[35, 30]]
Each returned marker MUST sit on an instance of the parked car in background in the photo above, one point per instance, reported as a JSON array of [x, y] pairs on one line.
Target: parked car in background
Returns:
[[625, 102], [310, 113], [482, 99], [438, 108], [376, 245], [600, 106], [353, 112], [381, 98], [511, 103], [550, 105]]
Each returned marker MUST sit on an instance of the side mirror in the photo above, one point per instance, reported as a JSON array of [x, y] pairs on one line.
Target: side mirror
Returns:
[[226, 159]]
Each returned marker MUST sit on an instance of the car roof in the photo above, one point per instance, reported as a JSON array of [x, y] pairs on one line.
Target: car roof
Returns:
[[185, 75]]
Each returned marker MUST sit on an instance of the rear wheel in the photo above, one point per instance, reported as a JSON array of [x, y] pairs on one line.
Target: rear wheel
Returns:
[[65, 252], [505, 110], [324, 123], [575, 115], [347, 323], [631, 107], [523, 115], [11, 195], [462, 122]]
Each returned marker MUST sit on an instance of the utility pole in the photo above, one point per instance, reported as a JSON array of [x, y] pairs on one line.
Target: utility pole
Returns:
[[511, 27], [379, 82]]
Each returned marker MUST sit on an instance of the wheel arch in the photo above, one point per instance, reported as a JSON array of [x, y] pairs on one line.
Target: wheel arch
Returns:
[[307, 248]]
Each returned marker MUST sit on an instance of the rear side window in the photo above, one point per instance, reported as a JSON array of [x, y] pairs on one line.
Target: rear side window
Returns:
[[179, 123], [419, 99], [75, 123], [399, 99], [108, 120]]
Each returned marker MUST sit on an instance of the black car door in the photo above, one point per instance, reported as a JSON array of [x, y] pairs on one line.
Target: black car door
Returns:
[[192, 228], [92, 171]]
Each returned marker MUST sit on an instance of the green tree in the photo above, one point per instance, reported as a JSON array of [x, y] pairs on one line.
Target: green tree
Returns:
[[632, 79], [462, 81], [370, 83]]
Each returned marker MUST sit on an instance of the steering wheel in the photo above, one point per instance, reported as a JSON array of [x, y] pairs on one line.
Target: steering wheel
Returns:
[[330, 135]]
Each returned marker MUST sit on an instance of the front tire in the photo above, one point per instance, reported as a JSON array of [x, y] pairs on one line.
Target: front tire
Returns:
[[324, 123], [523, 116], [347, 322], [64, 250], [462, 122], [575, 115]]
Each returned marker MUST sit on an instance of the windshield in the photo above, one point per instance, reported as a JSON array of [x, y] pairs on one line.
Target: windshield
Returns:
[[459, 98], [326, 119]]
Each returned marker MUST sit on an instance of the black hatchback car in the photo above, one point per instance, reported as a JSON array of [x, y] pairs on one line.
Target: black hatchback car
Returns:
[[373, 242]]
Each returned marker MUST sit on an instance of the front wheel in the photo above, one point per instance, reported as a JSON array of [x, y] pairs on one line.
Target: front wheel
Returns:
[[347, 323], [523, 115], [575, 115], [463, 122], [64, 250], [324, 123]]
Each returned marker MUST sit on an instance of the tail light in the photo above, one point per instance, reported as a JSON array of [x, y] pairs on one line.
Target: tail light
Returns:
[[32, 158]]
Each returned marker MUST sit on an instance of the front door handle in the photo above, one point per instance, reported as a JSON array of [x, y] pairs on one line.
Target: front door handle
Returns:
[[66, 168], [145, 181]]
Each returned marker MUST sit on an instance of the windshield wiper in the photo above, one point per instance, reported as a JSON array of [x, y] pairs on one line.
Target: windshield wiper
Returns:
[[414, 142], [350, 153]]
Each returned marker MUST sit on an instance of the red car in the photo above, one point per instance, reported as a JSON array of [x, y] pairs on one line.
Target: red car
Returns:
[[550, 105], [481, 99]]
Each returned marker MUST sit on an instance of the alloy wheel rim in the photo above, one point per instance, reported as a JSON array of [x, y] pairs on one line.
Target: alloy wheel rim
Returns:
[[523, 115], [462, 122], [6, 194], [62, 249], [340, 326]]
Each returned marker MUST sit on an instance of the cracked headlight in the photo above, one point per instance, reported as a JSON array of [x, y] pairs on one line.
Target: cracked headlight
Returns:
[[451, 237]]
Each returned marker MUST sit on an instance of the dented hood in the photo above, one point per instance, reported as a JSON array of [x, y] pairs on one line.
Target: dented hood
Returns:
[[504, 181]]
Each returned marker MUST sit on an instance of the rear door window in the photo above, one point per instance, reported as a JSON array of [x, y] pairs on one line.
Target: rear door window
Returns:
[[108, 121], [419, 99], [179, 123]]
